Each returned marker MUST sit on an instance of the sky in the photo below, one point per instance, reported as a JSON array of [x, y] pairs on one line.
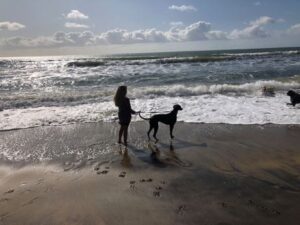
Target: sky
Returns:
[[96, 27]]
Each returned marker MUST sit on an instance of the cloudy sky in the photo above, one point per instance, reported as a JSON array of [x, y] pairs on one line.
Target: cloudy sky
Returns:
[[43, 27]]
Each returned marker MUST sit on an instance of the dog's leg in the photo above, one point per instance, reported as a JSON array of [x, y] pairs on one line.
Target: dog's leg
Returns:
[[150, 128], [171, 131], [155, 131]]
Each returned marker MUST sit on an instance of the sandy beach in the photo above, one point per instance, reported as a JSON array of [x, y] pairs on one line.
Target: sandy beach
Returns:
[[210, 174]]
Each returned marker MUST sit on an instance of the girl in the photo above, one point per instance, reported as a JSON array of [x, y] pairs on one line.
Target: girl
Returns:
[[125, 111]]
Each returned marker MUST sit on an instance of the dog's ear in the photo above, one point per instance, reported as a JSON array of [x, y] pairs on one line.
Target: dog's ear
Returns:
[[178, 107]]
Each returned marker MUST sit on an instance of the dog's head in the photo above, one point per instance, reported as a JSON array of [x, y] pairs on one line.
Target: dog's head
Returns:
[[291, 93], [177, 107]]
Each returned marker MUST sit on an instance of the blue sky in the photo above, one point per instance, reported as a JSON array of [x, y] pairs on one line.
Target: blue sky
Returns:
[[41, 27]]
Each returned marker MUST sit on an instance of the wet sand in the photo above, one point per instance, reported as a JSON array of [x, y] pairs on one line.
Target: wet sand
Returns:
[[211, 174]]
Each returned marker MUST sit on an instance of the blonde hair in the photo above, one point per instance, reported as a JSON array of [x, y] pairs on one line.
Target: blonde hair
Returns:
[[120, 95]]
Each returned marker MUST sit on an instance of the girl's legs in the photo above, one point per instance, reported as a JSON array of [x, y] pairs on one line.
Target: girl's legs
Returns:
[[125, 134], [121, 134]]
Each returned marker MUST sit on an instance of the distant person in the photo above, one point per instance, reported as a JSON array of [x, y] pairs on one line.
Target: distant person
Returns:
[[268, 91], [124, 114]]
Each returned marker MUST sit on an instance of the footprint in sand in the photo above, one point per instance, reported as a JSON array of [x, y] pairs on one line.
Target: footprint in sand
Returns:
[[132, 185], [102, 172], [181, 209], [146, 180], [97, 167], [9, 191], [99, 172], [40, 181], [122, 174], [156, 194], [158, 188], [31, 201]]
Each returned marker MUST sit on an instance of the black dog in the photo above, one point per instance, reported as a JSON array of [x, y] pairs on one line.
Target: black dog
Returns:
[[169, 119], [295, 98]]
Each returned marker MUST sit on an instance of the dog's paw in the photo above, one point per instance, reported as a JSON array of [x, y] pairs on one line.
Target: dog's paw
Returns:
[[172, 137]]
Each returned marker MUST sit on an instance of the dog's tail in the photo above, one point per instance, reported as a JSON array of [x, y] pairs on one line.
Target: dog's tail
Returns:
[[143, 117]]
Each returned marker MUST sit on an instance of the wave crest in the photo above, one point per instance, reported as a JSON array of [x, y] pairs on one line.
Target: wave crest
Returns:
[[257, 54], [145, 61], [183, 90], [85, 64]]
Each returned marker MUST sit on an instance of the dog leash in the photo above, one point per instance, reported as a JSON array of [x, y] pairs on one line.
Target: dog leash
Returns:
[[150, 112]]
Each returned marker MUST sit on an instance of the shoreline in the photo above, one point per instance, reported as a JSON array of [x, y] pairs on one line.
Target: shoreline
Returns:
[[142, 121], [209, 174]]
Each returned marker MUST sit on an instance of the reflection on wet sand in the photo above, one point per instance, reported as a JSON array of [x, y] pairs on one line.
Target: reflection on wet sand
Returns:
[[166, 156], [125, 161]]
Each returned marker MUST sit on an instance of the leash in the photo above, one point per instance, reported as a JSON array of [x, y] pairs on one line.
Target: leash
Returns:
[[150, 112]]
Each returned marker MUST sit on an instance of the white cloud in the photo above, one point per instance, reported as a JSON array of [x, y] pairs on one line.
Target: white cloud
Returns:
[[73, 38], [217, 35], [11, 26], [76, 14], [195, 31], [75, 25], [263, 21], [182, 8], [295, 29], [198, 31], [248, 32], [118, 36], [255, 29]]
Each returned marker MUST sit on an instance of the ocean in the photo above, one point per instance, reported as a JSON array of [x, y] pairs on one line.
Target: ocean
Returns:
[[211, 86]]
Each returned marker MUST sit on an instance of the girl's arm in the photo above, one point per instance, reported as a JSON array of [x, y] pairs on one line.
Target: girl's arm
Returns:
[[131, 110]]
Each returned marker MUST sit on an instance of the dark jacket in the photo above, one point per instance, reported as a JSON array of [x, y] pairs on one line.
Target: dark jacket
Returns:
[[125, 112]]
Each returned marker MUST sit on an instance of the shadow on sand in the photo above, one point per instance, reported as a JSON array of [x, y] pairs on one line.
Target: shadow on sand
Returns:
[[161, 155]]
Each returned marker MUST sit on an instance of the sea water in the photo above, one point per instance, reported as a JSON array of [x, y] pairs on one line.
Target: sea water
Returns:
[[211, 86]]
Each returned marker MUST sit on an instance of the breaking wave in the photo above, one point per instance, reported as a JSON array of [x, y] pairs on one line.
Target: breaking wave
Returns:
[[85, 64], [266, 53], [149, 92], [242, 89], [144, 61]]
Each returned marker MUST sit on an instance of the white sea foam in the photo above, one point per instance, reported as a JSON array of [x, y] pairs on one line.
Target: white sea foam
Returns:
[[199, 109], [291, 52], [184, 90], [63, 98]]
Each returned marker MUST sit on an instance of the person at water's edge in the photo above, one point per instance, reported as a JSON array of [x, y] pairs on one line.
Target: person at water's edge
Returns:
[[124, 114]]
